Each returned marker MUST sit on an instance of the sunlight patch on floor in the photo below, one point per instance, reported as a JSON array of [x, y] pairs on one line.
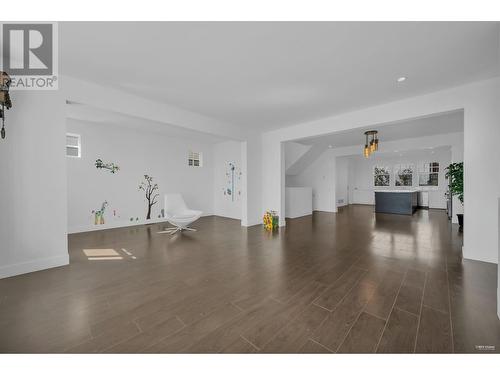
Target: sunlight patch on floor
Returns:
[[100, 252]]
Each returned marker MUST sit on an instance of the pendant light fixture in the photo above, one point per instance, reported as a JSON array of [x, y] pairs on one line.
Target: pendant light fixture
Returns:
[[371, 143]]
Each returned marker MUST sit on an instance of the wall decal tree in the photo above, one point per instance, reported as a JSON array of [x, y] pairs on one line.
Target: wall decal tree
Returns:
[[112, 167], [149, 189]]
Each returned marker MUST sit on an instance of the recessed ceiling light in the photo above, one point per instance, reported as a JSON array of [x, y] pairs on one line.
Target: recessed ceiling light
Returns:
[[401, 79], [330, 146]]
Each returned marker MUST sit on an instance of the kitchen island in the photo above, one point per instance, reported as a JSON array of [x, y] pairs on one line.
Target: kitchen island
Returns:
[[402, 202]]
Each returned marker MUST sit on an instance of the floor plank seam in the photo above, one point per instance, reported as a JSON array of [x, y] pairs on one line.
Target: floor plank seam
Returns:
[[276, 300], [375, 315], [436, 309], [322, 307], [249, 342], [348, 331], [237, 307], [420, 312], [389, 316], [183, 323], [406, 311], [348, 291], [137, 325], [449, 308], [320, 344]]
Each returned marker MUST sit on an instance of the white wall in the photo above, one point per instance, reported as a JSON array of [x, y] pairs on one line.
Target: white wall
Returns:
[[342, 181], [479, 100], [111, 99], [251, 168], [320, 176], [361, 182], [137, 153], [33, 184], [298, 201], [225, 205], [293, 152]]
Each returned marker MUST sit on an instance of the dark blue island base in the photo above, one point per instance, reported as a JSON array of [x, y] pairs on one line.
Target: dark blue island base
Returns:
[[396, 202]]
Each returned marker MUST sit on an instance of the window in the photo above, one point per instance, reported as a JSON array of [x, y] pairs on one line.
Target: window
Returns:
[[429, 174], [73, 146], [381, 176], [195, 159], [403, 174]]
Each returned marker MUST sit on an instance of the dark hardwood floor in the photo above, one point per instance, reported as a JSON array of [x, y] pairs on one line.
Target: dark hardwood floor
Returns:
[[352, 282]]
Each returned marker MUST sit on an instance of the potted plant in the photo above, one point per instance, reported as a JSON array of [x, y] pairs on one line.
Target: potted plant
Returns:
[[455, 173]]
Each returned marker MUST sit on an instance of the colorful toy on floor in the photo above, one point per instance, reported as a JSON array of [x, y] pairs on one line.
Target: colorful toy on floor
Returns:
[[271, 220]]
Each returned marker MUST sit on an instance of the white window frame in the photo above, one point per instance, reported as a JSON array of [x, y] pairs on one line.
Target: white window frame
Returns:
[[386, 167], [192, 159], [399, 168], [78, 146], [422, 171]]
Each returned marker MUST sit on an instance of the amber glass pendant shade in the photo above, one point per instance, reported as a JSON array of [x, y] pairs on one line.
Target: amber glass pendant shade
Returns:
[[371, 143]]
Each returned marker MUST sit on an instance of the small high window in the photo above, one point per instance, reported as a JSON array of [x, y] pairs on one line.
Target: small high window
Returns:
[[73, 146], [195, 159]]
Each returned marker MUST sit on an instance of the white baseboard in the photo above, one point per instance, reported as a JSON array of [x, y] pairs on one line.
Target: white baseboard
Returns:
[[34, 265], [299, 215], [466, 255], [120, 224], [250, 223]]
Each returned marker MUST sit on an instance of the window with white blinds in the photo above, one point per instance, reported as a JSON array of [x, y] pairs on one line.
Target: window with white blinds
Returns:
[[73, 146], [194, 159], [429, 174]]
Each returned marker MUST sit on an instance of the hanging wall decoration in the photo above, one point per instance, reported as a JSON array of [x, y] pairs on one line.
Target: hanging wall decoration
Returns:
[[5, 102], [112, 167], [99, 214], [149, 189], [233, 182]]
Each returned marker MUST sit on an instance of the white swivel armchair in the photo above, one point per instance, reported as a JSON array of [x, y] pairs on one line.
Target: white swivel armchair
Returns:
[[178, 214]]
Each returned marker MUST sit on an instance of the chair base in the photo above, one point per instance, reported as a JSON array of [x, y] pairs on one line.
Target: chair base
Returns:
[[173, 230]]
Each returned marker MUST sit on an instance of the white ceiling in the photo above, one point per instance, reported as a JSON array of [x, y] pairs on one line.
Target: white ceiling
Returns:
[[403, 154], [85, 113], [274, 74], [451, 122]]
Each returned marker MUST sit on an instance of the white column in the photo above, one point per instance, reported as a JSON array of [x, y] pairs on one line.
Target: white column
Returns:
[[457, 155], [251, 156]]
